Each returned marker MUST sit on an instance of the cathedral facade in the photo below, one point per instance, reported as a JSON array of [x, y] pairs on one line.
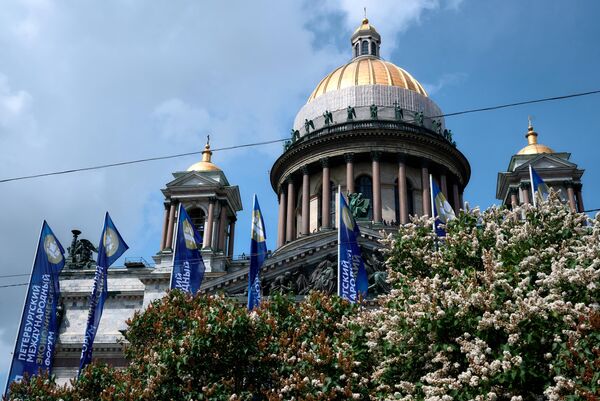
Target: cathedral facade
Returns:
[[368, 129]]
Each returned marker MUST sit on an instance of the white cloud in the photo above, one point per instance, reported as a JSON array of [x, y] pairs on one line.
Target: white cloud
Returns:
[[450, 79], [390, 17], [180, 121]]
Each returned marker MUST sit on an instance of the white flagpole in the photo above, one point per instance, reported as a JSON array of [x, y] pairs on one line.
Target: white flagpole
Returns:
[[23, 311], [339, 275], [532, 186], [432, 203], [175, 244]]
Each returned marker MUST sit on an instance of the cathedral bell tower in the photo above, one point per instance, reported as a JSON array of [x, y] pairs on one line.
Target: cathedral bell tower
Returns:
[[212, 204], [555, 168]]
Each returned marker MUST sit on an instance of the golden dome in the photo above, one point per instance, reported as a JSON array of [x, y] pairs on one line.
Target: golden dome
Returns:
[[367, 70], [533, 147], [205, 164], [365, 27]]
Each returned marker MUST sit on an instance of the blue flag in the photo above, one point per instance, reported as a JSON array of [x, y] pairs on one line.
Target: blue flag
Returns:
[[258, 254], [188, 266], [442, 211], [352, 275], [38, 330], [110, 249], [538, 185]]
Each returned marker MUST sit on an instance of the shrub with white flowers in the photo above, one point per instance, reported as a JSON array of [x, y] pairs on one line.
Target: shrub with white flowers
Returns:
[[504, 307]]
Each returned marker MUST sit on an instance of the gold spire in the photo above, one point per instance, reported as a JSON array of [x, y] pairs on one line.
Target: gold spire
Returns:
[[533, 147], [205, 164]]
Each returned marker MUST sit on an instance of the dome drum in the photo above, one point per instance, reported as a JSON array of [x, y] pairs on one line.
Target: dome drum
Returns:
[[361, 98]]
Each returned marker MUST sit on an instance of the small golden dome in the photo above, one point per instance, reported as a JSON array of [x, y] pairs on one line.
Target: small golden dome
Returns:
[[533, 147], [367, 70], [205, 164], [365, 27]]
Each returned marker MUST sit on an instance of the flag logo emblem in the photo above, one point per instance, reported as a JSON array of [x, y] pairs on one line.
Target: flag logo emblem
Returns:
[[188, 234], [52, 249], [348, 220], [443, 208], [258, 233], [111, 242]]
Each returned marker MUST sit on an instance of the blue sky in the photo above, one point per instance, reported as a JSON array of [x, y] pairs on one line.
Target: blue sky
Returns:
[[89, 83]]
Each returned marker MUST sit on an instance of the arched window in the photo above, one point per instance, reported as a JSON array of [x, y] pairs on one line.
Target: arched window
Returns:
[[332, 205], [364, 47], [373, 48], [409, 199], [198, 218], [356, 54], [364, 185]]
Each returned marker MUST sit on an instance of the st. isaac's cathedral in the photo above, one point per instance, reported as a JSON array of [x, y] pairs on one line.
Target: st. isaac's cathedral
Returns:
[[368, 129]]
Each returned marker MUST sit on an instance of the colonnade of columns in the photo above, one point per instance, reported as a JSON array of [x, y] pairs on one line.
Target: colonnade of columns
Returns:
[[225, 225], [286, 230], [574, 195]]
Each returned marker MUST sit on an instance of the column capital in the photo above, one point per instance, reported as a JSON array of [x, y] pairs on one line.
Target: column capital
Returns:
[[349, 157], [305, 170], [376, 155], [212, 200], [513, 190], [577, 186], [569, 184], [325, 162], [401, 158], [525, 185]]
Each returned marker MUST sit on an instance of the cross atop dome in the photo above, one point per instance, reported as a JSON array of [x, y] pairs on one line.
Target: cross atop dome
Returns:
[[365, 40]]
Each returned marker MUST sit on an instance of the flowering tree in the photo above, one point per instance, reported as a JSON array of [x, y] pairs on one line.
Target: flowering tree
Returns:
[[210, 347], [505, 307]]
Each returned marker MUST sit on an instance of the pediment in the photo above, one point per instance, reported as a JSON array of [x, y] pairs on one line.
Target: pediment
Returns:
[[193, 179], [545, 161]]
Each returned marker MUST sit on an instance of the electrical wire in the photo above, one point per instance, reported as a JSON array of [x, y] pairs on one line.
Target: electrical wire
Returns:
[[149, 159]]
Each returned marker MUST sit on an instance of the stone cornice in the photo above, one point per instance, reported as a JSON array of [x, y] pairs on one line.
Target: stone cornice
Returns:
[[387, 137]]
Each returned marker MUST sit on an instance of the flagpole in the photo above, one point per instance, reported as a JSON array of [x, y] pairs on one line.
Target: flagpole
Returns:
[[532, 186], [12, 359], [432, 203], [175, 245], [339, 275]]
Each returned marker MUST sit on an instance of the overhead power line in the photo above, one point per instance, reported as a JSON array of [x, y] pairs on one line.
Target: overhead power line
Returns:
[[247, 145]]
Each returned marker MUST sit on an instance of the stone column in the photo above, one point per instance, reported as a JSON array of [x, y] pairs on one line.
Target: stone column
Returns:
[[425, 190], [444, 186], [305, 201], [291, 200], [231, 238], [376, 187], [223, 226], [163, 239], [169, 243], [456, 197], [579, 198], [349, 172], [571, 195], [514, 198], [282, 217], [402, 201], [208, 225], [325, 196], [525, 190]]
